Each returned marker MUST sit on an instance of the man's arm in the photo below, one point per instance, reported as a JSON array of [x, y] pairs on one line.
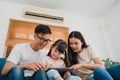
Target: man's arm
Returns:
[[35, 66], [7, 67]]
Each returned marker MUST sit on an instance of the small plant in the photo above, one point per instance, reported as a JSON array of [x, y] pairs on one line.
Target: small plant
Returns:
[[109, 62]]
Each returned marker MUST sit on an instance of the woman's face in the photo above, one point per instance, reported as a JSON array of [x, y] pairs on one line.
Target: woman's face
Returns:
[[55, 54], [76, 45]]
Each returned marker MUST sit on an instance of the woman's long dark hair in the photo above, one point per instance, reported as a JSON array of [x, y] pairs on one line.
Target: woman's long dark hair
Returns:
[[61, 47], [72, 56]]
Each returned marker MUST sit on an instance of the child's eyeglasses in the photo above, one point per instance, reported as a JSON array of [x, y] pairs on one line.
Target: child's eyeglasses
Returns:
[[42, 40]]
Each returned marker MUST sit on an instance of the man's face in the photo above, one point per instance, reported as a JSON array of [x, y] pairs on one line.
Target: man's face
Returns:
[[42, 40]]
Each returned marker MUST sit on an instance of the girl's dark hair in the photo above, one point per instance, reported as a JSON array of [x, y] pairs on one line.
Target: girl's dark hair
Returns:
[[44, 29], [72, 56], [61, 47]]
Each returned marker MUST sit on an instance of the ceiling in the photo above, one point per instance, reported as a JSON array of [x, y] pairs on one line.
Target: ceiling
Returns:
[[77, 7]]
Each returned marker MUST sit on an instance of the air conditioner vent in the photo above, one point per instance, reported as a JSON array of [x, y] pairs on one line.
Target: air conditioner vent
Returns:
[[43, 14]]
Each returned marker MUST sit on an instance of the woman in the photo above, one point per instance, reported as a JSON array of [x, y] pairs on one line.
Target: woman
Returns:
[[84, 58]]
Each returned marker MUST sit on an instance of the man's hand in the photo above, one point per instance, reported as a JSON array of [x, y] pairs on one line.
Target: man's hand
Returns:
[[35, 66]]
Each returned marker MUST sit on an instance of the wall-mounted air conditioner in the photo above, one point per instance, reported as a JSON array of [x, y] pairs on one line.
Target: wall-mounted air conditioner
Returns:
[[43, 14]]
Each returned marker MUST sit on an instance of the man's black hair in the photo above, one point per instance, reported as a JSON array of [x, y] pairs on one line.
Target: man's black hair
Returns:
[[42, 29]]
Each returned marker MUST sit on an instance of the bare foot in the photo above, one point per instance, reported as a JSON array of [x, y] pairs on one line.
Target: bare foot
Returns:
[[59, 78], [67, 74]]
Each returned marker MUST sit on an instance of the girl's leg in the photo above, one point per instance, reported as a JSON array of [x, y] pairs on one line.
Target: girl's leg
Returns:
[[54, 75], [73, 78], [91, 78]]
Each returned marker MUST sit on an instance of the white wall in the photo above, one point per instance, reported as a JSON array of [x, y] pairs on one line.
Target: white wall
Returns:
[[89, 26], [112, 27]]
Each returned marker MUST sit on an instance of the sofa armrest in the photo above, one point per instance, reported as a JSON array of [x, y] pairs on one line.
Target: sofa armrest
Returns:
[[2, 63], [114, 71]]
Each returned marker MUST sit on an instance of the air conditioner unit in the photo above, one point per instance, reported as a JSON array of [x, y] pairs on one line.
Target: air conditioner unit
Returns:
[[43, 14]]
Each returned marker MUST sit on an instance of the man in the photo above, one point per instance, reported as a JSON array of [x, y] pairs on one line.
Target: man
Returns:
[[23, 63]]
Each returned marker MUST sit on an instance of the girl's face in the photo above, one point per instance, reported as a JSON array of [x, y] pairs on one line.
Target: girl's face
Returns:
[[55, 54], [76, 45]]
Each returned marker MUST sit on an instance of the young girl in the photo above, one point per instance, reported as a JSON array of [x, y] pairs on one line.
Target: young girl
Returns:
[[56, 58]]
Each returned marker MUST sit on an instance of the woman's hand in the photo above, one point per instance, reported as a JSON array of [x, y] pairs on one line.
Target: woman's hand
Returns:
[[76, 66]]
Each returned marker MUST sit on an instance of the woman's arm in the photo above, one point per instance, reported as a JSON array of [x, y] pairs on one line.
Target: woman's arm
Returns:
[[97, 63]]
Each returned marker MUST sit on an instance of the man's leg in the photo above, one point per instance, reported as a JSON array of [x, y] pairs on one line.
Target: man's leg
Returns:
[[39, 75], [15, 74]]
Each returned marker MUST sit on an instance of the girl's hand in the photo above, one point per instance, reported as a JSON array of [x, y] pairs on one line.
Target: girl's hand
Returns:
[[48, 66], [76, 66]]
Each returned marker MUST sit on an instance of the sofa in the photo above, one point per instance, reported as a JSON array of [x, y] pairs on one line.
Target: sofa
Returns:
[[2, 62], [114, 71]]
